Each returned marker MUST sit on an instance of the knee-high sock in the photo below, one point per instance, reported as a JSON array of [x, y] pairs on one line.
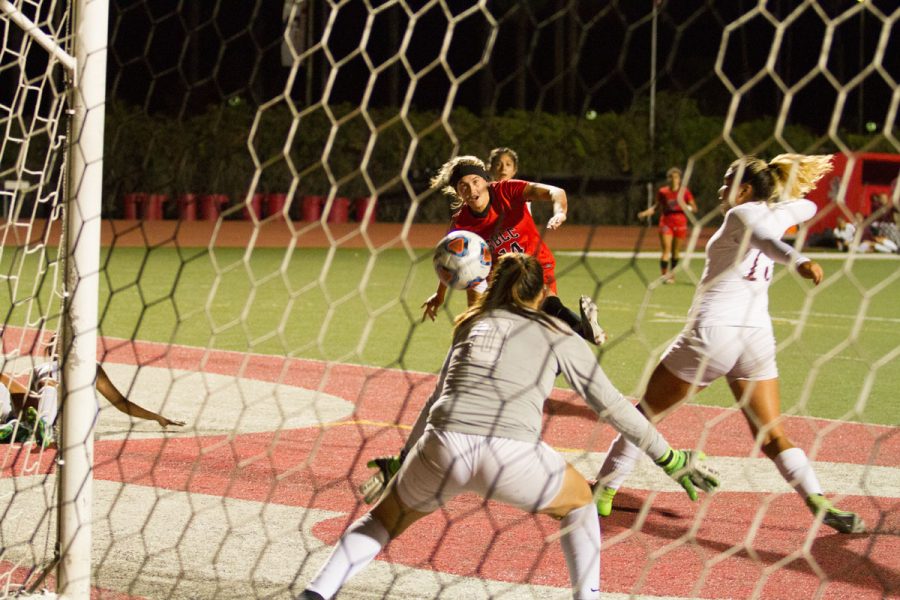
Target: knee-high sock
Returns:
[[5, 403], [48, 405], [621, 458], [359, 546], [553, 306], [581, 545], [794, 466]]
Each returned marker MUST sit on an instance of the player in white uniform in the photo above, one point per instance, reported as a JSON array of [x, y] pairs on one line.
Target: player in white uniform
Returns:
[[38, 403], [480, 431], [729, 330]]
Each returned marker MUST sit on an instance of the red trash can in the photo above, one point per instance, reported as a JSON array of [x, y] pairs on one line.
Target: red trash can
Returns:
[[312, 208], [133, 204], [275, 204], [153, 207], [187, 207], [360, 206], [255, 208], [340, 210], [211, 206]]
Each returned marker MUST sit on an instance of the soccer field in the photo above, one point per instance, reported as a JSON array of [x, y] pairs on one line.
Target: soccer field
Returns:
[[276, 445], [838, 344]]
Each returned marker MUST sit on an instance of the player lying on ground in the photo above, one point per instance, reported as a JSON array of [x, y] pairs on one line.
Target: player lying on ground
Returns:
[[480, 432], [38, 403], [496, 211], [729, 330]]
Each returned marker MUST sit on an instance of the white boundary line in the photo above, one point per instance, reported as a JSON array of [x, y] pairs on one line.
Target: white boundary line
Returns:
[[699, 255]]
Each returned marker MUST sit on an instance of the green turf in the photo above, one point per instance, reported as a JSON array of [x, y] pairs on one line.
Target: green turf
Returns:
[[841, 361]]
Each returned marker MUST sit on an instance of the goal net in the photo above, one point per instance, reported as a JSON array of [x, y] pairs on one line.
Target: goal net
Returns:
[[254, 293]]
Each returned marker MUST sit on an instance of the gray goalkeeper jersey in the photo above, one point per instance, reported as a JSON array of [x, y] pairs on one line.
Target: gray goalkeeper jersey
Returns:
[[496, 380]]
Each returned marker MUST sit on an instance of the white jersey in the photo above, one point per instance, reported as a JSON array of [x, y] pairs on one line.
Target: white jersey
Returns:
[[495, 381], [740, 258]]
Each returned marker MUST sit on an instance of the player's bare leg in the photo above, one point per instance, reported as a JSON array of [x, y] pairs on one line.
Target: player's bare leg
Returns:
[[760, 402], [665, 240], [664, 393], [676, 256]]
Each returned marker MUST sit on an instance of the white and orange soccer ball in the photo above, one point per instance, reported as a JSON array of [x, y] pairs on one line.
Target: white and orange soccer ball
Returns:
[[462, 260]]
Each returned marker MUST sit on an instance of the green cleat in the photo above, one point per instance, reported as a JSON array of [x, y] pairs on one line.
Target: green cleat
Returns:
[[43, 432], [604, 500], [840, 520], [7, 430]]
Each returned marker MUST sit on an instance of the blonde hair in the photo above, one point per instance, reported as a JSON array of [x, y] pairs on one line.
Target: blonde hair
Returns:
[[785, 176], [516, 281], [441, 181]]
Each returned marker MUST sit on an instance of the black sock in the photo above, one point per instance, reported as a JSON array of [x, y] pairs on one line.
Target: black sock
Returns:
[[663, 266], [553, 306], [674, 263]]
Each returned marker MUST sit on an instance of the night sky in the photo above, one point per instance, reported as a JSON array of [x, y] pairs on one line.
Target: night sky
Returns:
[[540, 55]]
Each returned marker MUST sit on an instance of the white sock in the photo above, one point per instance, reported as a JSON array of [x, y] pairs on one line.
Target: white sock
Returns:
[[5, 403], [794, 466], [359, 546], [581, 545], [621, 459], [48, 405]]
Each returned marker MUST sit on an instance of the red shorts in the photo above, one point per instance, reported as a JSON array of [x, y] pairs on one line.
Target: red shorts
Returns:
[[674, 224]]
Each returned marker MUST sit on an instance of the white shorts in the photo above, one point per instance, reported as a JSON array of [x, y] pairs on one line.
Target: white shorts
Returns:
[[443, 464], [703, 354]]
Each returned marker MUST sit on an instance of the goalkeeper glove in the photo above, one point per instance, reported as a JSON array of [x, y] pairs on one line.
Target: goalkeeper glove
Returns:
[[687, 468], [387, 467]]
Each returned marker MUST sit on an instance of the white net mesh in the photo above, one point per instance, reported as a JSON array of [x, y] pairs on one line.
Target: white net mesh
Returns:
[[268, 250]]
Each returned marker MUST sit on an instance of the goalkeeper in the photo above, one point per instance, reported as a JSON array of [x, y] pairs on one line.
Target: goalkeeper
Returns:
[[39, 402], [480, 432], [729, 331]]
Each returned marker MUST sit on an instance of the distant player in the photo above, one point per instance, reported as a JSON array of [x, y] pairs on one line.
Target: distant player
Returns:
[[729, 330], [39, 403], [496, 211], [673, 222], [503, 163], [480, 432]]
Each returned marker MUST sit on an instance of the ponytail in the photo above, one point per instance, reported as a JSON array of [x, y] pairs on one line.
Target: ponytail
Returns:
[[785, 176], [516, 281]]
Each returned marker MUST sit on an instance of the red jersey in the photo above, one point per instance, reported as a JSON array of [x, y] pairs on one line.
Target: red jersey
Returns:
[[506, 224], [668, 199]]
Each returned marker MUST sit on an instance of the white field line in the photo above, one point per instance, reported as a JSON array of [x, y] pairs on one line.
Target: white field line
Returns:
[[702, 255], [756, 475], [156, 543]]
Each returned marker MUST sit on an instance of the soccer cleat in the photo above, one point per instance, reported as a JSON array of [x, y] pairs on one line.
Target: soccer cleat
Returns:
[[310, 595], [590, 328], [43, 432], [7, 430], [839, 520], [604, 501]]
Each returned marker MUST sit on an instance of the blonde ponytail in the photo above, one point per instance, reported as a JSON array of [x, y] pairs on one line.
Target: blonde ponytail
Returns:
[[796, 174]]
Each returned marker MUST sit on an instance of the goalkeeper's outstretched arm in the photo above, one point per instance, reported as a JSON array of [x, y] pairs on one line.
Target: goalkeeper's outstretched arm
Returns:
[[686, 467]]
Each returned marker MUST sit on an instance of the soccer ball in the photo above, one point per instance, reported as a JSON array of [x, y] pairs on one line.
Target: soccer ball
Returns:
[[462, 260]]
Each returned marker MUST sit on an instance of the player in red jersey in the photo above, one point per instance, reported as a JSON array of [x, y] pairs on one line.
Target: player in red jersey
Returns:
[[673, 224], [497, 212]]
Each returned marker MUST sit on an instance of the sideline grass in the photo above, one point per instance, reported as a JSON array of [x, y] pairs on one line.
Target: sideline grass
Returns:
[[841, 361]]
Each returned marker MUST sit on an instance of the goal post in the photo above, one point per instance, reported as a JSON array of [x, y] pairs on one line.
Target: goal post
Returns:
[[70, 38], [80, 316]]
